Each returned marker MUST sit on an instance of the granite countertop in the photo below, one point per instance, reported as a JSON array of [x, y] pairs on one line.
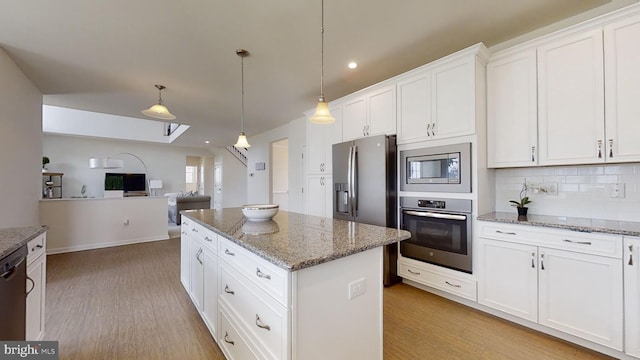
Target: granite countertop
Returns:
[[11, 239], [295, 241], [628, 228]]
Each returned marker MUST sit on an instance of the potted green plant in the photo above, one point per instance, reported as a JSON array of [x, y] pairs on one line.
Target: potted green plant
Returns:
[[521, 205], [45, 161]]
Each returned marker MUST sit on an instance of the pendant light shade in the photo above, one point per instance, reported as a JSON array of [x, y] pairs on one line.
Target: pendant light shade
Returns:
[[159, 111], [242, 139], [322, 115]]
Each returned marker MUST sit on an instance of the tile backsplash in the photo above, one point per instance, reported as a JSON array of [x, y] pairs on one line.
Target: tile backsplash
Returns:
[[582, 191]]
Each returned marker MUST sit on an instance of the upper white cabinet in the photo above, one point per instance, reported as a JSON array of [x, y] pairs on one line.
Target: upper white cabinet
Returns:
[[622, 89], [442, 99], [320, 139], [631, 264], [512, 110], [372, 112], [587, 86], [571, 100]]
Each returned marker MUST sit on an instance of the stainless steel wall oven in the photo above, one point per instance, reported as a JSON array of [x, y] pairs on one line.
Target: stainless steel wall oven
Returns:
[[440, 231]]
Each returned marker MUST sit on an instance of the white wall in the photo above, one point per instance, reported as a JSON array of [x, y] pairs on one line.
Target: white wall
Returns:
[[20, 146], [583, 191], [259, 182], [70, 155]]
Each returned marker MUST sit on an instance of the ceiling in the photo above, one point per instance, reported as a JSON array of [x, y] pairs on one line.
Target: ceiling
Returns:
[[105, 56]]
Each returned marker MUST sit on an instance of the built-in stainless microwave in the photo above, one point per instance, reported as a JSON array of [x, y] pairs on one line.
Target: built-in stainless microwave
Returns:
[[436, 169]]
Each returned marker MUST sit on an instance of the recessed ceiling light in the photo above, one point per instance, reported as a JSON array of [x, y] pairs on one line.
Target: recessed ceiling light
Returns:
[[207, 141], [353, 65]]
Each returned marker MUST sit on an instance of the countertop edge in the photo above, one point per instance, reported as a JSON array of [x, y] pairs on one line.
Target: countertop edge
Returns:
[[302, 264], [508, 218], [37, 231]]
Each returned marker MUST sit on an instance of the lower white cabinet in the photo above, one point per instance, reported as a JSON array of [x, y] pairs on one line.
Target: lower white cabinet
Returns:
[[197, 273], [631, 264], [573, 280], [185, 256], [36, 284], [437, 277], [319, 195], [202, 267], [210, 291]]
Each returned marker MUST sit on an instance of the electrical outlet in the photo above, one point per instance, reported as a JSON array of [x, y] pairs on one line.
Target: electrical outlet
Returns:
[[616, 191], [357, 288]]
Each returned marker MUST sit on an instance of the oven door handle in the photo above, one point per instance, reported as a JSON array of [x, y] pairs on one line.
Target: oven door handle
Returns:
[[435, 215]]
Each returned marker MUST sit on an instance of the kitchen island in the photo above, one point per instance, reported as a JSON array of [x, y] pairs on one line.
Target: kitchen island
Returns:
[[295, 287]]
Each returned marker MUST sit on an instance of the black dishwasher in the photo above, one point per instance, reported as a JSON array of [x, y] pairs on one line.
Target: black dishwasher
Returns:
[[13, 295]]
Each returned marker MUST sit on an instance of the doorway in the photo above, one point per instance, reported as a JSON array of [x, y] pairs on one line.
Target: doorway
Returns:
[[280, 173]]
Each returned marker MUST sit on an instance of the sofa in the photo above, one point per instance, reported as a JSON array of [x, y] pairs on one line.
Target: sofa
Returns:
[[186, 201]]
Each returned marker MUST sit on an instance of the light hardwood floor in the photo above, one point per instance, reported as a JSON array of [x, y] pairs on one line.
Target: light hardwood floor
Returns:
[[127, 302]]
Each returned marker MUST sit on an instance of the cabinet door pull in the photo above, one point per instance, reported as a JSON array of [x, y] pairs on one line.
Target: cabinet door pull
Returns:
[[413, 272], [261, 325], [577, 242], [454, 285], [226, 251], [599, 149], [194, 230], [610, 148], [363, 132], [260, 274], [533, 154], [533, 257], [184, 233], [208, 239], [228, 291], [428, 129], [226, 339], [542, 261], [433, 129], [198, 256], [630, 254], [33, 285], [505, 232]]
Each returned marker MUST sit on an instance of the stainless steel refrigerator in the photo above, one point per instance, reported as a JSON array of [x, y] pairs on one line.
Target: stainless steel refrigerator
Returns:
[[364, 188]]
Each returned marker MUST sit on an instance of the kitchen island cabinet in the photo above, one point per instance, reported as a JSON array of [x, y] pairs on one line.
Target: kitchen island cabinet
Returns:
[[295, 287]]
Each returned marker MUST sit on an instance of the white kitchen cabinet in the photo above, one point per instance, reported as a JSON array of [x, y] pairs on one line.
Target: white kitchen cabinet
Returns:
[[622, 90], [442, 99], [579, 279], [581, 294], [369, 113], [210, 291], [438, 277], [197, 273], [319, 195], [512, 110], [631, 264], [509, 278], [36, 286], [185, 255], [320, 139], [571, 100]]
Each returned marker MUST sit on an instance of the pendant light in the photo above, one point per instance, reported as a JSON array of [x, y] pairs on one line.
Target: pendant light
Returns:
[[159, 111], [242, 139], [322, 115]]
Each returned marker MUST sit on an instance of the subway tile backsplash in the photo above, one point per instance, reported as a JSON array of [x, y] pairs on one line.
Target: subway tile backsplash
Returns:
[[583, 191]]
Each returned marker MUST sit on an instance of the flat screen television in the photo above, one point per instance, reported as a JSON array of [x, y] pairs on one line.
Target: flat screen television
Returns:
[[125, 182]]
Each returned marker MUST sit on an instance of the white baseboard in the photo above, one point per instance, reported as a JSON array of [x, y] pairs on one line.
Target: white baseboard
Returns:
[[51, 251]]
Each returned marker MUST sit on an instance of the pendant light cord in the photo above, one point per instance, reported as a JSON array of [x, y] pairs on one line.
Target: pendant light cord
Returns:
[[242, 100], [321, 49]]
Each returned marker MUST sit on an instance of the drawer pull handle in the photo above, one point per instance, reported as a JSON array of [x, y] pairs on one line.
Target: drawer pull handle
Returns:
[[577, 242], [184, 233], [630, 254], [226, 339], [194, 230], [454, 285], [226, 251], [413, 272], [505, 232], [533, 256], [37, 247], [207, 239], [261, 275], [228, 291], [261, 325], [542, 261]]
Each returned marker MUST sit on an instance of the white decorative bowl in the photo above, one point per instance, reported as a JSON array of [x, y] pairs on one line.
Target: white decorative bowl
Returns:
[[260, 212]]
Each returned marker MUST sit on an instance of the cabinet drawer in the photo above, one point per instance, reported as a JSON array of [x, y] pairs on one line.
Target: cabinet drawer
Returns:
[[208, 237], [260, 315], [264, 274], [437, 278], [232, 344], [36, 247], [583, 242]]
